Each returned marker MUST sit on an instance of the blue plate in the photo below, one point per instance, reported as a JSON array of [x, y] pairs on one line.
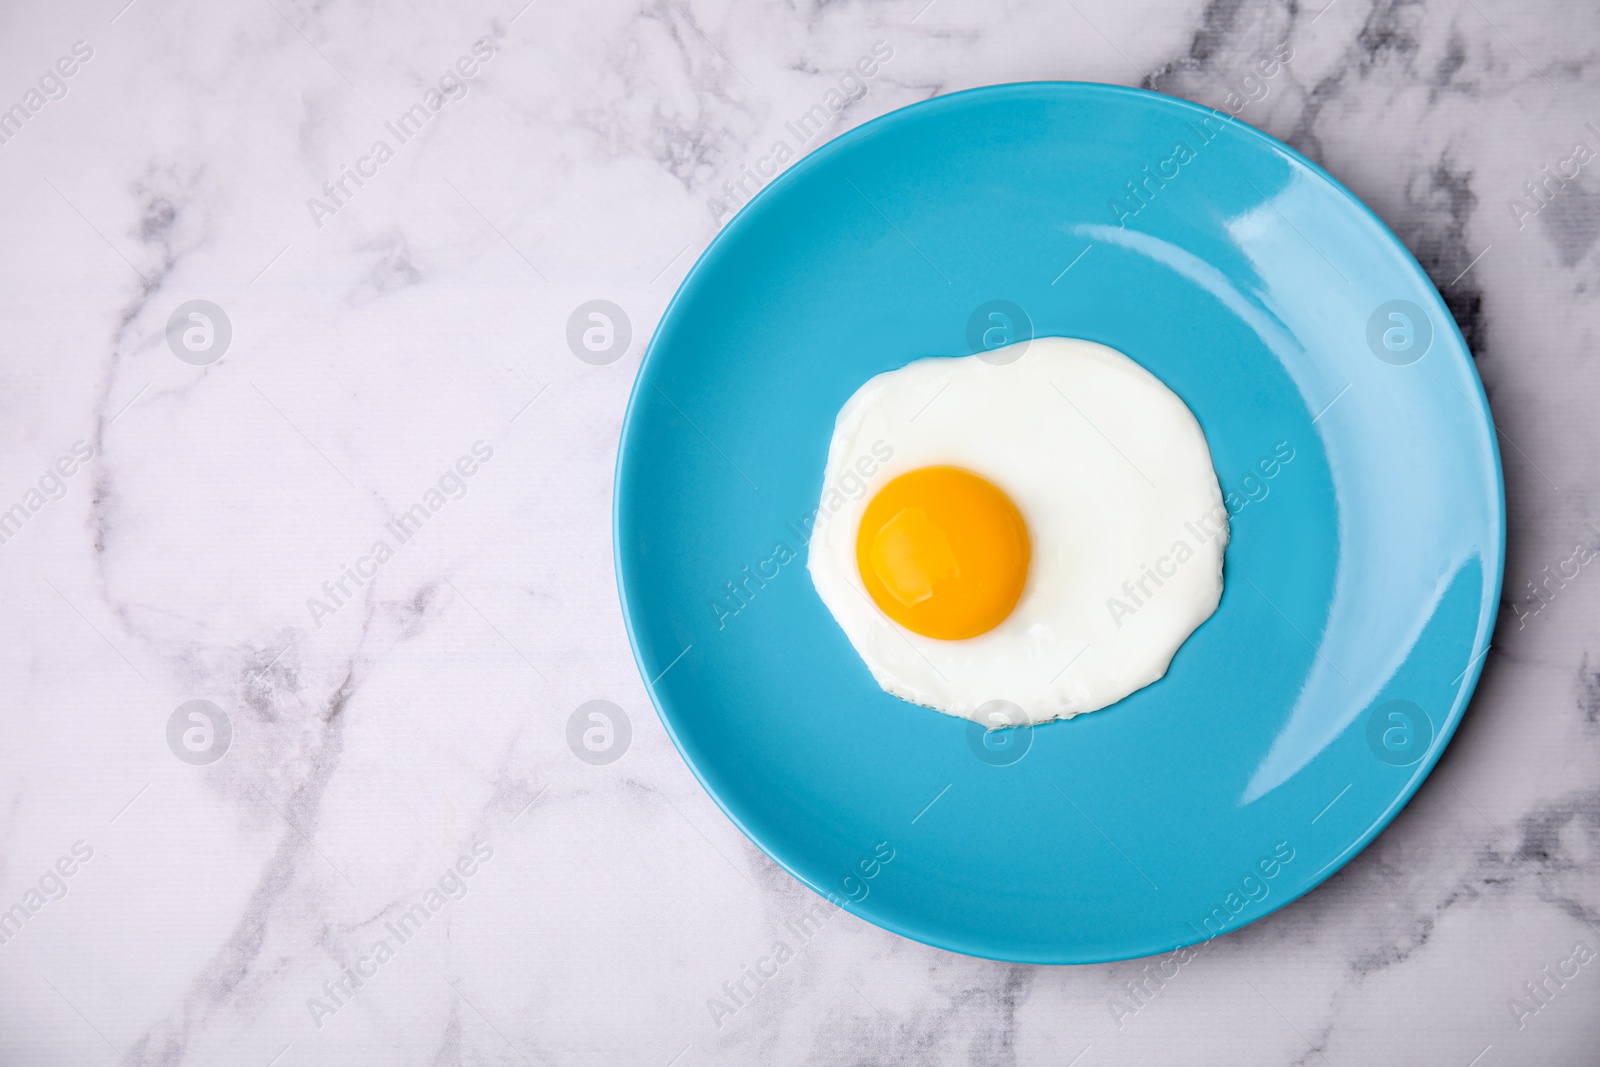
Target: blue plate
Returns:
[[1350, 435]]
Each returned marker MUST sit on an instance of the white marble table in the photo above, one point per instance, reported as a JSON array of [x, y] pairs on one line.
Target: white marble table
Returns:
[[205, 528]]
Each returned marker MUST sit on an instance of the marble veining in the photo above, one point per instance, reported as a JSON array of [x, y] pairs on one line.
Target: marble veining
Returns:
[[396, 313]]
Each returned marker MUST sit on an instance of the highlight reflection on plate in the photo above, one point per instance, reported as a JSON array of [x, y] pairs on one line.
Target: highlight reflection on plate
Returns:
[[1349, 433]]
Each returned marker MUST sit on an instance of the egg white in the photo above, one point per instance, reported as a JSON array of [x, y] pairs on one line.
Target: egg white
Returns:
[[1111, 473]]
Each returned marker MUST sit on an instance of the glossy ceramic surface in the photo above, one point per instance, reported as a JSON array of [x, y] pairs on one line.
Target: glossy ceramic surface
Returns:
[[1361, 583]]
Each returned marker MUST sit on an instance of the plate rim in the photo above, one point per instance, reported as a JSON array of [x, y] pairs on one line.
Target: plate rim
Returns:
[[1486, 624]]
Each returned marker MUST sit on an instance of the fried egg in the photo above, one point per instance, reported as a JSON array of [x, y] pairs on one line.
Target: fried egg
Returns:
[[1037, 528]]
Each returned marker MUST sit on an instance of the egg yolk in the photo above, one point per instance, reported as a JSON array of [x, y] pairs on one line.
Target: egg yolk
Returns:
[[943, 552]]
